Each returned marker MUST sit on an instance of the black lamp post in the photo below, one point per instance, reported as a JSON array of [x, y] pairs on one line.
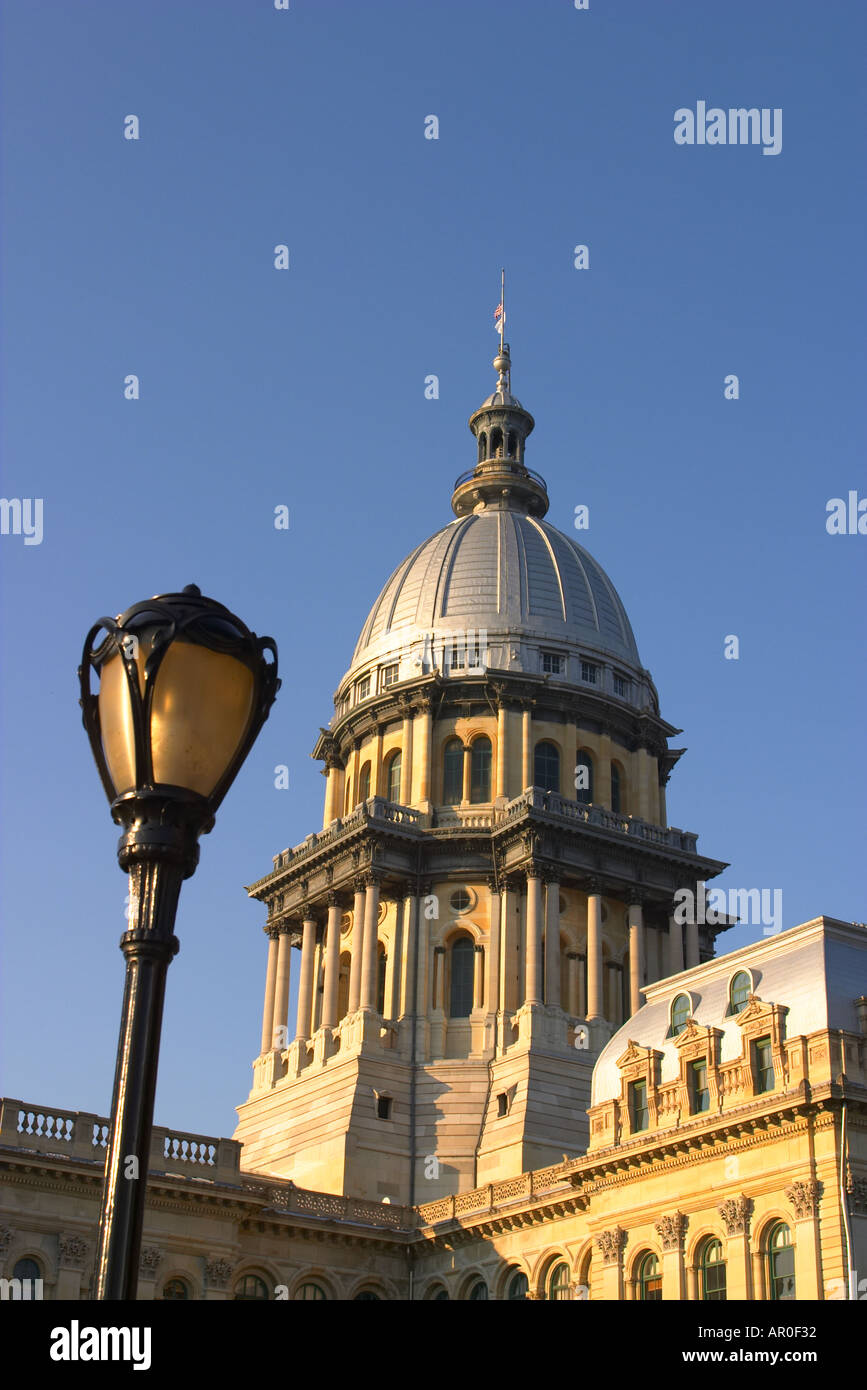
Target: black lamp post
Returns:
[[184, 688]]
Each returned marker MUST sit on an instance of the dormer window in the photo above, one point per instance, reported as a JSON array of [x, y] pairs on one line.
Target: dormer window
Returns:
[[680, 1012], [389, 675], [639, 1115], [362, 690], [621, 686], [590, 672]]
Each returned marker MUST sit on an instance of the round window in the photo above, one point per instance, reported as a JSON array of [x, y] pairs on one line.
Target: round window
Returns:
[[461, 900]]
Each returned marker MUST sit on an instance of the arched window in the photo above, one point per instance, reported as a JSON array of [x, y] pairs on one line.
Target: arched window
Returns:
[[478, 1291], [439, 1295], [740, 990], [381, 966], [310, 1293], [461, 986], [680, 1012], [392, 778], [175, 1290], [364, 783], [712, 1272], [511, 444], [28, 1271], [649, 1280], [559, 1283], [483, 446], [367, 1296], [616, 791], [480, 770], [251, 1289], [781, 1262], [546, 767], [584, 777], [453, 772], [496, 442], [518, 1286]]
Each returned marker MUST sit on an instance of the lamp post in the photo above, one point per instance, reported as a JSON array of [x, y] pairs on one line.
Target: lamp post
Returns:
[[184, 688]]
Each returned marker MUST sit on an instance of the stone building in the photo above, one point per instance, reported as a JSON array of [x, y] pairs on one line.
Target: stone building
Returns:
[[513, 1070]]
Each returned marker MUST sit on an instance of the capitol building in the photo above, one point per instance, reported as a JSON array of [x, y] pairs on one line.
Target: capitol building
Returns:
[[514, 1071]]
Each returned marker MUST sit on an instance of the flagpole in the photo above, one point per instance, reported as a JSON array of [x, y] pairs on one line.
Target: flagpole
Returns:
[[503, 302]]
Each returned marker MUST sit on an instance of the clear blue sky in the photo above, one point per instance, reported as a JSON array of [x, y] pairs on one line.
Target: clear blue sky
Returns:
[[306, 388]]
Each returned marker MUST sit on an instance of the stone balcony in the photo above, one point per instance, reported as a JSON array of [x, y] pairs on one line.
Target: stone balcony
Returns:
[[381, 814]]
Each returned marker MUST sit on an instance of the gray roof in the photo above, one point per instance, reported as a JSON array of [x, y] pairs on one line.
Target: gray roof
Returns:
[[508, 573]]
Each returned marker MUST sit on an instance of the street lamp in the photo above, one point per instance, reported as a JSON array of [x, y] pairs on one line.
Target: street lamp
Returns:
[[184, 688]]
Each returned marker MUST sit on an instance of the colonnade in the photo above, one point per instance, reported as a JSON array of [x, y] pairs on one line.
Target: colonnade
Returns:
[[496, 986]]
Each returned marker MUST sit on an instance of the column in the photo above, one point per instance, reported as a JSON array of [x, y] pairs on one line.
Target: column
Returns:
[[552, 942], [356, 768], [675, 946], [357, 948], [270, 985], [396, 954], [376, 788], [672, 1231], [804, 1197], [318, 949], [526, 746], [420, 925], [478, 977], [406, 759], [279, 1023], [468, 773], [691, 941], [582, 985], [332, 962], [305, 979], [736, 1213], [570, 760], [423, 727], [636, 954], [533, 963], [369, 961], [492, 983], [572, 1001], [438, 986], [594, 954], [509, 958], [333, 790], [502, 753]]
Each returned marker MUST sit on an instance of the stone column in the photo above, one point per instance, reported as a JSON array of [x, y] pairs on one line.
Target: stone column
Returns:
[[332, 962], [594, 953], [468, 775], [692, 942], [552, 941], [280, 1017], [671, 1231], [369, 958], [675, 946], [533, 962], [356, 948], [305, 979], [636, 954], [611, 1244], [316, 982], [270, 987], [478, 977], [526, 746], [406, 758], [572, 1006], [393, 961], [438, 984], [804, 1197], [509, 973], [502, 752], [356, 768], [582, 985], [735, 1213], [421, 927], [333, 789], [492, 983], [376, 765], [423, 727]]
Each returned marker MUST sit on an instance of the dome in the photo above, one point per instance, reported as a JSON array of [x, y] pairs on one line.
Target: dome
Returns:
[[511, 574]]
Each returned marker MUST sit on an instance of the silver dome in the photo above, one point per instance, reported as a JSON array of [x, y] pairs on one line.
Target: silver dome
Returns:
[[513, 575]]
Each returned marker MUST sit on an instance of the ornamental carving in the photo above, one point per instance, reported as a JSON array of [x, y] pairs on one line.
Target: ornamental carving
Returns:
[[735, 1213], [149, 1261], [671, 1230], [218, 1272], [5, 1239], [72, 1251], [804, 1197], [611, 1243]]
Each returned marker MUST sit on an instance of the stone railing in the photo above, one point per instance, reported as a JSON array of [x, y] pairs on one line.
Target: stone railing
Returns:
[[378, 811], [497, 1195], [330, 1206], [76, 1134]]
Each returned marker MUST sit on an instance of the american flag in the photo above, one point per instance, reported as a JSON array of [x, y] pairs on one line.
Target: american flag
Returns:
[[499, 318]]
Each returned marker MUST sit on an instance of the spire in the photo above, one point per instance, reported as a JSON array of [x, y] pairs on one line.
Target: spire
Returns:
[[501, 426]]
